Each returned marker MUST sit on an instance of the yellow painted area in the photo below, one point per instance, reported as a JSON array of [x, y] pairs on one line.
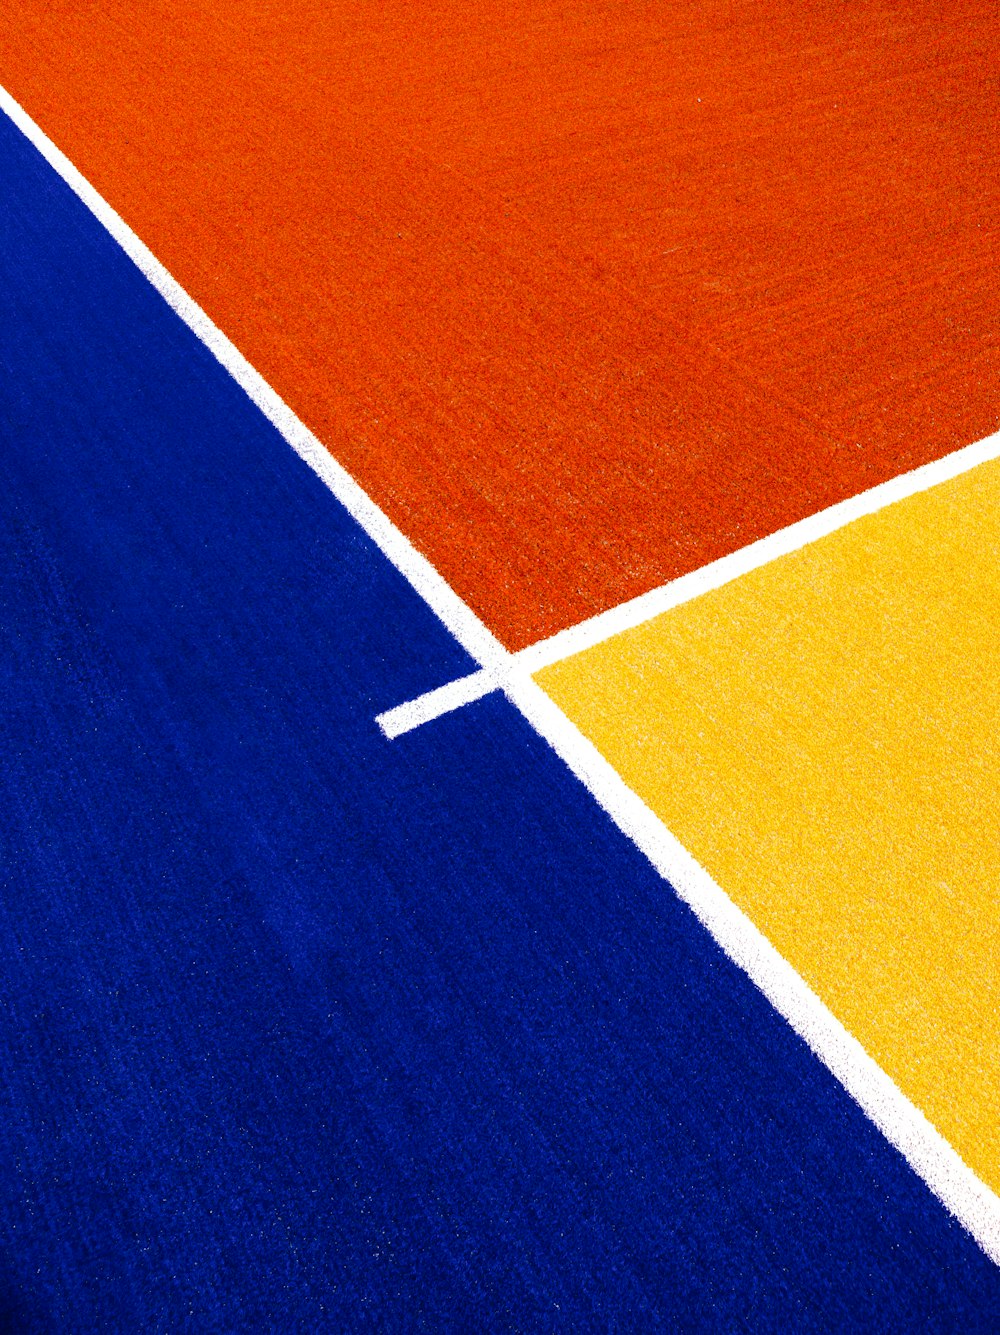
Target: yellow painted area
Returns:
[[823, 734]]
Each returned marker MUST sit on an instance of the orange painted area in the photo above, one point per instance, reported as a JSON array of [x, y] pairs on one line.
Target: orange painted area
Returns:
[[585, 295]]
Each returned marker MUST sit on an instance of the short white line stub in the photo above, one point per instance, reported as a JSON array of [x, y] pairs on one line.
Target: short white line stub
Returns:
[[406, 717]]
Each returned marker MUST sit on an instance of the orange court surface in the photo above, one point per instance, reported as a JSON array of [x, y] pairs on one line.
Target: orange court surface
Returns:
[[585, 296]]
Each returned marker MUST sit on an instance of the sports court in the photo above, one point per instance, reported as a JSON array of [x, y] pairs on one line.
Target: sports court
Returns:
[[500, 655]]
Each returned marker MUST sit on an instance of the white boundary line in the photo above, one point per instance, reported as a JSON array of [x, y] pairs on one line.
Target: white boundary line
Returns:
[[626, 616], [757, 554], [463, 623], [903, 1125]]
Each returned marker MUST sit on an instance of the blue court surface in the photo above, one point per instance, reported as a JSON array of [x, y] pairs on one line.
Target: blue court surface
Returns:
[[304, 1029]]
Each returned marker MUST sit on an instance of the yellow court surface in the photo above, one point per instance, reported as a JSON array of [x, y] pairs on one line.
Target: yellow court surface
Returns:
[[821, 734]]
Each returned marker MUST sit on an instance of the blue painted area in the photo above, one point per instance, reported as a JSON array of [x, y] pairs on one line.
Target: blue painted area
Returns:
[[305, 1030]]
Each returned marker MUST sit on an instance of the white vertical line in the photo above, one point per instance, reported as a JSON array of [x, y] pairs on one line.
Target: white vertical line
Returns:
[[969, 1199]]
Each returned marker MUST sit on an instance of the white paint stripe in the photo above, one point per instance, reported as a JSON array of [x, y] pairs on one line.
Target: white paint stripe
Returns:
[[626, 616], [648, 605], [970, 1200], [923, 1147], [406, 717], [463, 623]]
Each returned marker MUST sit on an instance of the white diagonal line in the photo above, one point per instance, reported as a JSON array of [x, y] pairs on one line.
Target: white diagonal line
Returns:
[[626, 616], [961, 1191], [406, 717]]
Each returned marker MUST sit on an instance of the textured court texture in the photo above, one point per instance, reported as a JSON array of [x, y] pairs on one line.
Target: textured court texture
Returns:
[[585, 295], [307, 1029], [822, 735]]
